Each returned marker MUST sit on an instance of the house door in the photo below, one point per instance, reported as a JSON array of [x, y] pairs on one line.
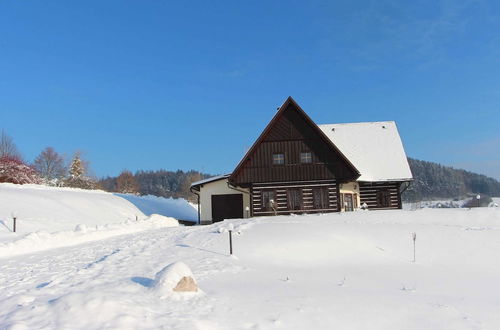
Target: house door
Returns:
[[348, 202], [227, 207]]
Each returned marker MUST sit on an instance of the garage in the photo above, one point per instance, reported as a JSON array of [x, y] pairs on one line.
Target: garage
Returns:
[[228, 206]]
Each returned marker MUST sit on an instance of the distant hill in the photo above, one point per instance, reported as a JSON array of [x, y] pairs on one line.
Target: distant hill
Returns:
[[435, 181]]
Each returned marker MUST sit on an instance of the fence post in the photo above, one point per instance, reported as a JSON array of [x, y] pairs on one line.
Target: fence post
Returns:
[[414, 236]]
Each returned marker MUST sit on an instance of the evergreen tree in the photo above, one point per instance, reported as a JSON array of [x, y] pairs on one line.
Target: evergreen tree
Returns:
[[76, 169], [77, 178]]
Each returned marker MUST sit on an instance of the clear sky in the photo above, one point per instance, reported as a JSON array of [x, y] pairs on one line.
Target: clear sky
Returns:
[[190, 85]]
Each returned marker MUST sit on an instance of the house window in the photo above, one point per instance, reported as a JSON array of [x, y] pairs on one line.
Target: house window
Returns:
[[294, 199], [268, 200], [320, 198], [278, 159], [384, 198], [305, 157]]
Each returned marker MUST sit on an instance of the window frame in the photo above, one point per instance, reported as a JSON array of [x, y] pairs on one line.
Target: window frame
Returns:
[[310, 158], [384, 198], [275, 154], [266, 197]]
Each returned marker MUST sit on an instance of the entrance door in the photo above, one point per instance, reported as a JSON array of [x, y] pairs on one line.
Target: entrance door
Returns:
[[227, 207], [348, 202]]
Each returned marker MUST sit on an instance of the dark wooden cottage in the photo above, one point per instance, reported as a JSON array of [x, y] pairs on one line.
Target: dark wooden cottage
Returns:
[[296, 166]]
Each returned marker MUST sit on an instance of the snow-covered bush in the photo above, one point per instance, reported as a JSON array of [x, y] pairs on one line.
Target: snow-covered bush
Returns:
[[82, 182], [14, 170]]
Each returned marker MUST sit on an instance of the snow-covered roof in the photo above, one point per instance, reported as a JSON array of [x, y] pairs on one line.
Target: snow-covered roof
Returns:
[[374, 148], [211, 179]]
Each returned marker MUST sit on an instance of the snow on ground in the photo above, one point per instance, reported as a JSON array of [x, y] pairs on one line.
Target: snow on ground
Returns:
[[53, 209], [336, 271], [50, 217], [176, 208]]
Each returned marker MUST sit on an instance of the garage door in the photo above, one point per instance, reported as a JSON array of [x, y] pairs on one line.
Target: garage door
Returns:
[[227, 207]]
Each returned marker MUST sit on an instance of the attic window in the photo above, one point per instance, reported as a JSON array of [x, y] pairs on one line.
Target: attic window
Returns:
[[305, 157], [278, 159]]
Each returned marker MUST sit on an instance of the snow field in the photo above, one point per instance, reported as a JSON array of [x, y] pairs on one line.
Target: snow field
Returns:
[[343, 271], [51, 217]]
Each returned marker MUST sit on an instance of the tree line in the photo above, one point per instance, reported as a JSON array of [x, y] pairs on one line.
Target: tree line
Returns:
[[435, 181], [161, 183], [49, 167], [431, 180]]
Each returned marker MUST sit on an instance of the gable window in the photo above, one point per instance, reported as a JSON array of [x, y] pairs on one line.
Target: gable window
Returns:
[[305, 157], [278, 159]]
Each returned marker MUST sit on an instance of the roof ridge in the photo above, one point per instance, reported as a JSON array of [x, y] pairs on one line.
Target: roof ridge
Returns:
[[361, 122]]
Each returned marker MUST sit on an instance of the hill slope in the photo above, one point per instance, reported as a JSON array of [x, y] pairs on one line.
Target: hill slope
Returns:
[[435, 181]]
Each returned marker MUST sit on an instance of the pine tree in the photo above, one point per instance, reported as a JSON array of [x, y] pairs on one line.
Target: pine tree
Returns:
[[77, 178], [76, 170]]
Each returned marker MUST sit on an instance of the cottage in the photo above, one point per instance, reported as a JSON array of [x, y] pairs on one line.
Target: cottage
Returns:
[[297, 166]]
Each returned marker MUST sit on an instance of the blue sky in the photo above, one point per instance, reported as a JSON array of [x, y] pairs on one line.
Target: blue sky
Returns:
[[190, 85]]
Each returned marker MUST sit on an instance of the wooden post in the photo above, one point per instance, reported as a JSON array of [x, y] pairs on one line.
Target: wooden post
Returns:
[[14, 224], [414, 236], [230, 242]]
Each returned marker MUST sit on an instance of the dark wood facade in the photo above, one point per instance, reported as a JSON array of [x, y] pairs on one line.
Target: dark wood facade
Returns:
[[290, 133], [380, 195], [295, 197]]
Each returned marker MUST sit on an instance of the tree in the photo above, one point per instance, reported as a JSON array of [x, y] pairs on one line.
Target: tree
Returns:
[[77, 171], [126, 183], [14, 170], [50, 165], [77, 168], [8, 147]]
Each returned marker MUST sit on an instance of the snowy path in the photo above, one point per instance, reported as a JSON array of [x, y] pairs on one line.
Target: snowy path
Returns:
[[101, 283], [333, 271]]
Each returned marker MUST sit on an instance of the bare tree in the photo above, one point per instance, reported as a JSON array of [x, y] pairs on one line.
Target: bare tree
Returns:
[[8, 147], [50, 165], [126, 183]]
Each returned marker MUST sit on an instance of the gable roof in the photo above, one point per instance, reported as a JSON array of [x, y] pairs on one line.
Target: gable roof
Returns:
[[290, 101], [375, 148]]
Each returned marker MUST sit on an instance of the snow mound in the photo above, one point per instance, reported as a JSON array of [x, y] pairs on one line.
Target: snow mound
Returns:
[[169, 222], [169, 279], [177, 208], [55, 209], [42, 240]]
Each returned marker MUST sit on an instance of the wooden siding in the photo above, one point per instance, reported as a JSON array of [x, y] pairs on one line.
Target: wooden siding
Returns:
[[369, 192], [290, 135], [281, 190]]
